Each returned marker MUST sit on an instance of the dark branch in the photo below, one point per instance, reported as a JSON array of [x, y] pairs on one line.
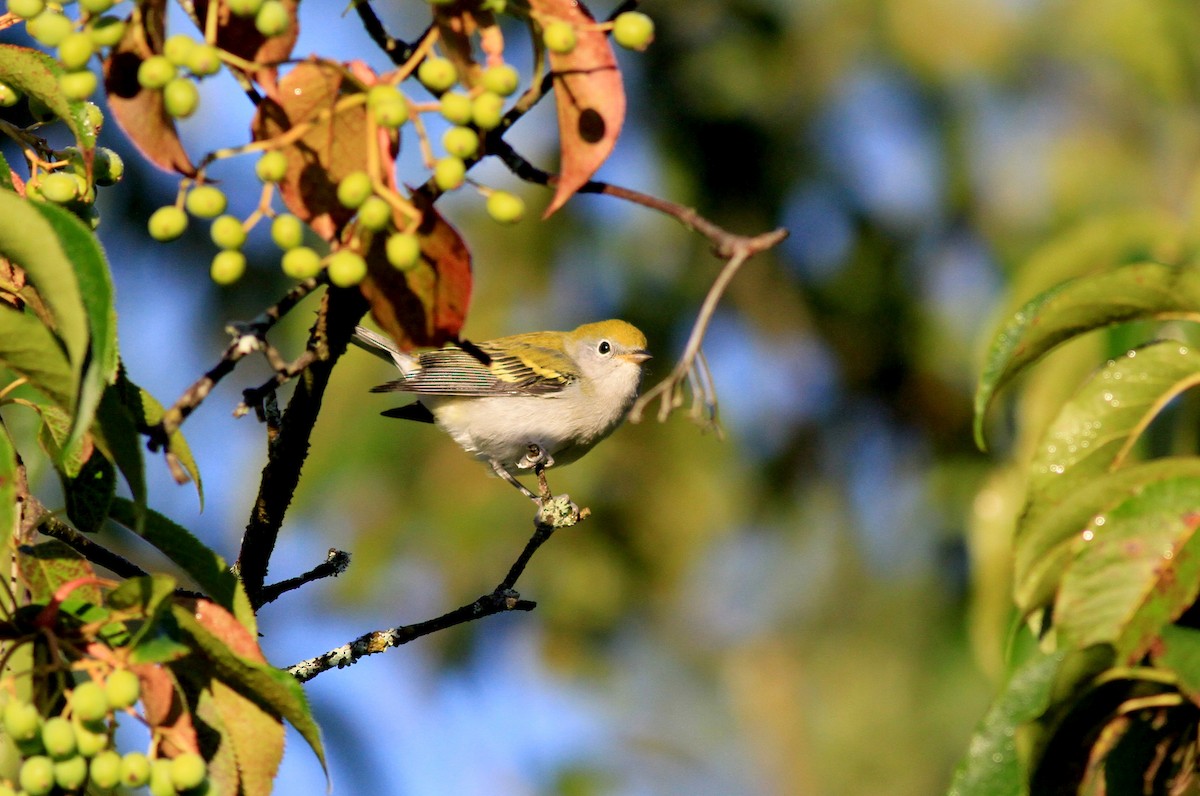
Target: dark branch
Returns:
[[97, 554], [396, 50], [335, 564]]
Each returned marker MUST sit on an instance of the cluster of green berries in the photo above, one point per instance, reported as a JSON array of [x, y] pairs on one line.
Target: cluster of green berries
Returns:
[[75, 42], [631, 29], [72, 751], [226, 230], [68, 185]]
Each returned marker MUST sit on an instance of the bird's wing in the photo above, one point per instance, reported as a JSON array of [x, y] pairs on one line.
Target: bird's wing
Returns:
[[524, 368]]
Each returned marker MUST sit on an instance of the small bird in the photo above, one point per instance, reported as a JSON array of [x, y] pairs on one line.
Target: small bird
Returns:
[[539, 398]]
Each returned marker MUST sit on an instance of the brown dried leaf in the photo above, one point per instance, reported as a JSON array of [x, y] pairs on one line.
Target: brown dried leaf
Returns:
[[426, 305], [165, 711], [227, 628], [239, 36], [138, 111], [589, 96], [319, 159]]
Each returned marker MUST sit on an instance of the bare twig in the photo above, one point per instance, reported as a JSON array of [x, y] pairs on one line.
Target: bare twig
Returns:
[[397, 51], [335, 564]]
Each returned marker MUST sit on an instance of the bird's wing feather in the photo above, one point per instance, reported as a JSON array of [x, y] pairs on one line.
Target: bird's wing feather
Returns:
[[520, 365]]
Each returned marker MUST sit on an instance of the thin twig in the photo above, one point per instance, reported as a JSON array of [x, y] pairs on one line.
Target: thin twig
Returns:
[[98, 554], [397, 51], [335, 564]]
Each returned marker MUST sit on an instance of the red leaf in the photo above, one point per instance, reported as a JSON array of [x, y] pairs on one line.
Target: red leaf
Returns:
[[589, 95], [139, 111], [165, 711], [426, 305], [227, 628]]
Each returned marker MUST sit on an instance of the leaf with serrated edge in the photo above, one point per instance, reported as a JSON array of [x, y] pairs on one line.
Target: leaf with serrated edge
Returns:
[[219, 747], [148, 411], [1134, 292], [45, 566], [36, 74], [588, 94], [30, 349], [1136, 568], [149, 595], [255, 735], [117, 435]]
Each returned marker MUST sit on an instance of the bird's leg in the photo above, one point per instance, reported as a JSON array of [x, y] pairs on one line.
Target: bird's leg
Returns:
[[537, 458], [507, 476]]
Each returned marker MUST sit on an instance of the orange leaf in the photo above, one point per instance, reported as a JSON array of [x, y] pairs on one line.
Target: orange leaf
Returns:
[[165, 711], [589, 96], [227, 628], [139, 111], [426, 305]]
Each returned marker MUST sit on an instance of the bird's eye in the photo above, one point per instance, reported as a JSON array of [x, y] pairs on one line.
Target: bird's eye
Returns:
[[604, 347]]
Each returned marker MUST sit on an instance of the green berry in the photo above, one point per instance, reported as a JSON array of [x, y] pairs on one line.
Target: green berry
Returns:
[[559, 37], [272, 18], [105, 770], [245, 8], [60, 187], [227, 267], [301, 263], [346, 268], [455, 107], [49, 28], [96, 7], [95, 117], [505, 207], [88, 702], [155, 72], [37, 775], [107, 167], [287, 231], [178, 48], [449, 173], [388, 105], [383, 94], [58, 737], [9, 96], [403, 250], [462, 142], [90, 742], [375, 214], [633, 30], [272, 166], [206, 201], [134, 770], [487, 110], [354, 189], [78, 85], [501, 79], [188, 770], [203, 59], [22, 721], [180, 98], [70, 774], [166, 223], [26, 9], [122, 686], [437, 74], [75, 50], [160, 778], [227, 232], [106, 31]]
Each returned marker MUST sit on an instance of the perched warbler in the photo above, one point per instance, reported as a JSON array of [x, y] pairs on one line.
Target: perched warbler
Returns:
[[516, 402]]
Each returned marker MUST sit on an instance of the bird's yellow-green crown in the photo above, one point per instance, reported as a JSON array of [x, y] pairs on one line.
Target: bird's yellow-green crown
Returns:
[[623, 334]]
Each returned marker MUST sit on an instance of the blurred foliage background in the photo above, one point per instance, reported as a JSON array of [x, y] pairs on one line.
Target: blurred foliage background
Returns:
[[816, 604]]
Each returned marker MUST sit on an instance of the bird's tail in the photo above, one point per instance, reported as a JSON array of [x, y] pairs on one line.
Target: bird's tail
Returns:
[[385, 349]]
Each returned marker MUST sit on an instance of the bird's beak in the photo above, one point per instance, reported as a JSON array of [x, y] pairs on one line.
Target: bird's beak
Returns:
[[637, 357]]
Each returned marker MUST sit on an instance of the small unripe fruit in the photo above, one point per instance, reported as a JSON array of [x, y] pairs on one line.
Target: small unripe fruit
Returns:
[[105, 770], [206, 201], [462, 142], [22, 721], [106, 31], [58, 737], [155, 72], [122, 686], [135, 770], [90, 742], [505, 207], [501, 79], [180, 98], [449, 173], [75, 51], [375, 214], [633, 30], [437, 74], [383, 94], [188, 770], [78, 85], [59, 187], [403, 250], [96, 7], [455, 107], [354, 189], [204, 60], [227, 232], [166, 223], [388, 105], [49, 28], [88, 702], [272, 166], [95, 117], [272, 18], [107, 167], [9, 96], [26, 9], [301, 263], [178, 47], [287, 231], [559, 37], [71, 773], [346, 268], [487, 110], [160, 778], [37, 775], [245, 8], [227, 267]]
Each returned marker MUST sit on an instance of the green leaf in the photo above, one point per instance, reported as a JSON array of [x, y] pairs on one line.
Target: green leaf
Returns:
[[10, 515], [53, 436], [1135, 292], [150, 595], [36, 74], [1178, 651], [46, 566], [255, 735], [90, 493], [148, 412], [992, 765], [116, 433], [5, 174], [1136, 569], [191, 555], [30, 349]]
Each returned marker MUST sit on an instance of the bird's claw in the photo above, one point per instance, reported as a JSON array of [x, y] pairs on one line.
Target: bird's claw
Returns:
[[535, 456]]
